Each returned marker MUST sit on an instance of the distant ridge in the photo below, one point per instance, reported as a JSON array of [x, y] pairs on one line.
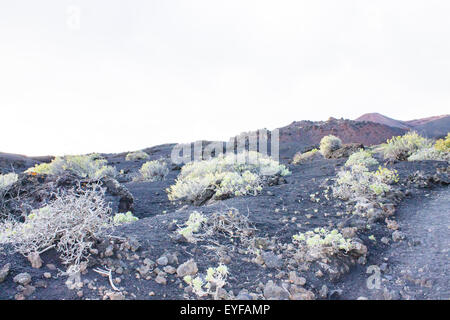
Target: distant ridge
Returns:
[[432, 127]]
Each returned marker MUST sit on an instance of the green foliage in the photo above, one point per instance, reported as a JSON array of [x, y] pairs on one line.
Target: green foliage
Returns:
[[85, 166], [154, 170], [329, 144], [443, 145], [214, 280], [192, 225], [361, 158], [402, 147], [227, 175], [300, 157], [430, 153], [137, 155], [121, 218]]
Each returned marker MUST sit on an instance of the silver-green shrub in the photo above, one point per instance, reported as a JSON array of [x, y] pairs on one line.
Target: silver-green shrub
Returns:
[[329, 144], [154, 170]]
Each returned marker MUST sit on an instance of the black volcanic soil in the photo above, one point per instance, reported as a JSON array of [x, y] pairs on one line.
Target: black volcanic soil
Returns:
[[277, 214]]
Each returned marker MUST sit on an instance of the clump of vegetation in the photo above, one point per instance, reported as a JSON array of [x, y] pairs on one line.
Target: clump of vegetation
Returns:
[[225, 176], [430, 153], [361, 158], [71, 224], [154, 170], [214, 280], [122, 218], [192, 225], [328, 144], [137, 155], [321, 242], [85, 166], [443, 145], [358, 182], [301, 157], [402, 147], [6, 181]]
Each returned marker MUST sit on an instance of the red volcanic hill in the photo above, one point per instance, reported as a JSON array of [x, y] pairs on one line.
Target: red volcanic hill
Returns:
[[303, 134], [432, 127]]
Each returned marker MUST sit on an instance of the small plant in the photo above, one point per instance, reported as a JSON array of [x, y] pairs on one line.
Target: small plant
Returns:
[[430, 153], [154, 170], [137, 155], [301, 157], [121, 218], [443, 145], [6, 181], [328, 144], [361, 158], [214, 280], [402, 147], [225, 176], [85, 166], [321, 242], [71, 224], [192, 225], [386, 176]]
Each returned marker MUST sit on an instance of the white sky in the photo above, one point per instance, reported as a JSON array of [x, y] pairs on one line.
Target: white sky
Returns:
[[140, 73]]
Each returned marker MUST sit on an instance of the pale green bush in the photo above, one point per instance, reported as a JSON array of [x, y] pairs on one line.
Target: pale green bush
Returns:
[[85, 166], [152, 171], [192, 225], [214, 280], [122, 218], [321, 243], [329, 144], [137, 155], [430, 153], [301, 157], [6, 181], [359, 182], [402, 147], [443, 145], [361, 158], [71, 224], [226, 175]]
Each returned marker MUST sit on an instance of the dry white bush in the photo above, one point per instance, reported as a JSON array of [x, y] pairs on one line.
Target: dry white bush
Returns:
[[329, 144], [402, 147], [71, 224], [154, 170], [6, 181]]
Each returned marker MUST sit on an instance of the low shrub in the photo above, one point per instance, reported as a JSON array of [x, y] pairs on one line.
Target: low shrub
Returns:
[[71, 224], [361, 158], [6, 181], [443, 145], [402, 147], [301, 157], [329, 144], [85, 166], [154, 170], [225, 176], [212, 283], [137, 155], [122, 218], [321, 243], [430, 153], [192, 225]]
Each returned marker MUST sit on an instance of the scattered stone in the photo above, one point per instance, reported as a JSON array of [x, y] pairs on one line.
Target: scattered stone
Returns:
[[161, 280], [28, 290], [323, 292], [300, 293], [271, 260], [169, 269], [187, 268], [162, 261], [47, 275], [22, 278], [114, 296], [4, 271], [274, 292], [35, 260], [19, 296], [80, 294], [109, 251], [385, 240], [362, 298], [398, 235], [51, 267], [295, 279]]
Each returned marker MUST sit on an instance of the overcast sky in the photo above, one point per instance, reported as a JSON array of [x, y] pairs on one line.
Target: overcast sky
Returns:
[[108, 76]]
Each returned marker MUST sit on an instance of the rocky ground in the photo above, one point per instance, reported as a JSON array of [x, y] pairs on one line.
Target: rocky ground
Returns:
[[148, 258]]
